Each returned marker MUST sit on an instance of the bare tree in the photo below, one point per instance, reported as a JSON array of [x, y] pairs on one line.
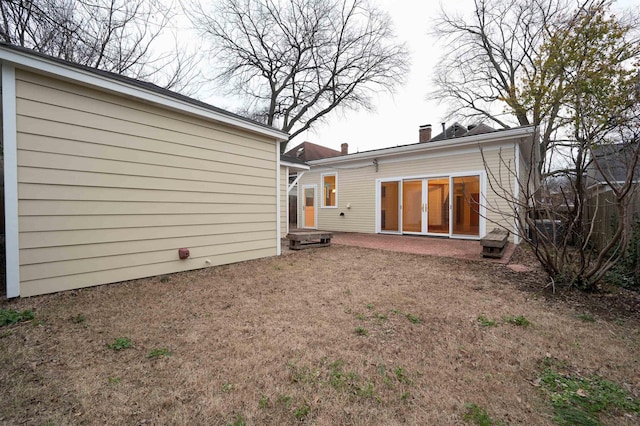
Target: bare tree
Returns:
[[590, 64], [489, 55], [297, 60], [121, 36]]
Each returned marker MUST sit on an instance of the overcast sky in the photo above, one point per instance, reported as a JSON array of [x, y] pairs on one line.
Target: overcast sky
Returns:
[[397, 118]]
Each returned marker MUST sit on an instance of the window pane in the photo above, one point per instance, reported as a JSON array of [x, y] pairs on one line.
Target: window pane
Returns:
[[412, 206], [466, 207], [389, 217], [438, 206], [329, 189]]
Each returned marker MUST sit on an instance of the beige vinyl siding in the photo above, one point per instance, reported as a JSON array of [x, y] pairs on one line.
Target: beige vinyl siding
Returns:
[[357, 184], [284, 183], [109, 188]]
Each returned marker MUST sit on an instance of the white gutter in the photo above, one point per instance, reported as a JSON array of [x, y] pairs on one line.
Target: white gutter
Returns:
[[9, 139], [44, 65], [295, 165], [482, 138]]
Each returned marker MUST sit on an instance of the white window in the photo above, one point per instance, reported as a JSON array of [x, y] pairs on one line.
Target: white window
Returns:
[[330, 190]]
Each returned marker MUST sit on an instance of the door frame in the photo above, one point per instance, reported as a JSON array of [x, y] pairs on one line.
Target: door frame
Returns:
[[483, 209], [315, 206]]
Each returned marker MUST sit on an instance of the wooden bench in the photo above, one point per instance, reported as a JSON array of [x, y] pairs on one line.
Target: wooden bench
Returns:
[[299, 240], [494, 243]]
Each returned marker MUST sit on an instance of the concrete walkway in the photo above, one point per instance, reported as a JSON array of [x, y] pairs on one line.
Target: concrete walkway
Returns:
[[459, 249]]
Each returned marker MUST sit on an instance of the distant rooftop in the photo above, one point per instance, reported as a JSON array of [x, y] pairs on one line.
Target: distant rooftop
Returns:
[[308, 151], [457, 130]]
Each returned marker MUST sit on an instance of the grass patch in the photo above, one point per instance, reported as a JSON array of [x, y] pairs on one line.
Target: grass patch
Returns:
[[520, 321], [302, 412], [79, 319], [120, 343], [486, 322], [581, 400], [264, 402], [401, 375], [586, 317], [156, 353], [238, 421], [283, 400], [478, 416], [414, 319], [361, 331], [10, 316], [114, 380]]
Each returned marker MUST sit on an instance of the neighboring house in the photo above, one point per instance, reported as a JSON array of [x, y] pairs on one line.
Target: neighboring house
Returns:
[[436, 187], [302, 153], [308, 151], [106, 178]]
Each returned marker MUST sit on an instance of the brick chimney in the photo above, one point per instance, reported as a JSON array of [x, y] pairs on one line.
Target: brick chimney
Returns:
[[344, 148], [425, 133]]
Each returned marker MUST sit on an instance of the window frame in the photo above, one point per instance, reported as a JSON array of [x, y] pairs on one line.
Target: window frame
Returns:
[[324, 198]]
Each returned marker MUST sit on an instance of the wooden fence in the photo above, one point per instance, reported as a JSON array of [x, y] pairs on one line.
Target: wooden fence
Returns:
[[601, 209]]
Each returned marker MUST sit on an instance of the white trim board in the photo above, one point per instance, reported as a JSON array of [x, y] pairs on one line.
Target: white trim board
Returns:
[[359, 164], [278, 201], [9, 137], [503, 136]]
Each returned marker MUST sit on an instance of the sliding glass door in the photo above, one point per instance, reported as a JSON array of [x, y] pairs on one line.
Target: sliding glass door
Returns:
[[448, 206]]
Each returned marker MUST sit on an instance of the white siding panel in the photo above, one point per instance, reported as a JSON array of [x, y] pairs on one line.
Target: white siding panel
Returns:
[[357, 185], [43, 160], [84, 208], [110, 188], [68, 282], [77, 98], [80, 266], [87, 251], [101, 144]]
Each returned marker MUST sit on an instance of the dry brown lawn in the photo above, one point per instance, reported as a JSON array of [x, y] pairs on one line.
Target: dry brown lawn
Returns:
[[321, 336]]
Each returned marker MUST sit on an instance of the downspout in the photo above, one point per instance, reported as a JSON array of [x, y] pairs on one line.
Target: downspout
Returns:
[[516, 195], [10, 145], [278, 219], [286, 199]]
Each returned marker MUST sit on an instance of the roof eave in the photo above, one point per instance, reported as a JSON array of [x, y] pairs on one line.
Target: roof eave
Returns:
[[43, 65], [483, 138], [295, 165]]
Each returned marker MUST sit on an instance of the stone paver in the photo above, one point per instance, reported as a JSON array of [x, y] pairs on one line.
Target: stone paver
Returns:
[[446, 247]]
